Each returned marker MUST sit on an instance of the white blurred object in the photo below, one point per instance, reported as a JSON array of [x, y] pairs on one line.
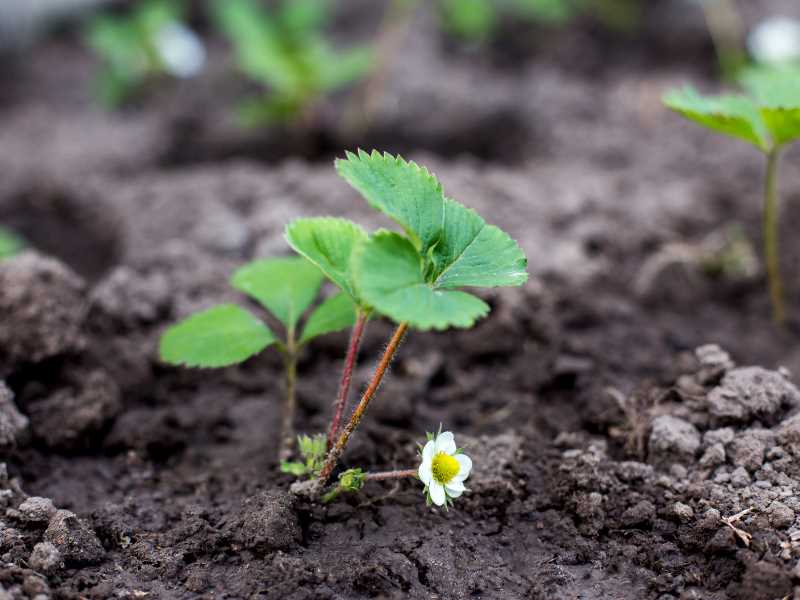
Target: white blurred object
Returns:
[[181, 50], [22, 20], [775, 41]]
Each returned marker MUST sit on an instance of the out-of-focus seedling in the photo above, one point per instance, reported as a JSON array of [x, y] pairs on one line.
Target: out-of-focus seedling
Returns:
[[413, 278], [228, 334], [477, 20], [768, 117], [150, 42], [286, 51], [10, 243]]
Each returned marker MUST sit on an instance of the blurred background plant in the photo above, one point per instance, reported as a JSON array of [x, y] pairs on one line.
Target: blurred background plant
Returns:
[[10, 243], [478, 20], [137, 48], [285, 50]]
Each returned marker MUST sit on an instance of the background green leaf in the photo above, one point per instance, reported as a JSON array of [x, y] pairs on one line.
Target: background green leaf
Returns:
[[334, 314], [777, 91], [404, 191], [734, 116], [328, 242], [389, 275], [10, 243], [218, 337], [284, 286], [472, 253]]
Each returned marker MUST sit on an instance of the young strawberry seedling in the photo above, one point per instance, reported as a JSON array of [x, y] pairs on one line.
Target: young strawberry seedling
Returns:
[[768, 117], [286, 51], [136, 49], [228, 334], [413, 278]]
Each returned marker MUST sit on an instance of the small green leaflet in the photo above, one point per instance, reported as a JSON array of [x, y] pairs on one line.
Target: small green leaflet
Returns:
[[389, 274], [777, 91], [736, 116], [218, 337], [10, 243], [404, 191], [328, 242], [284, 286], [334, 314], [472, 253]]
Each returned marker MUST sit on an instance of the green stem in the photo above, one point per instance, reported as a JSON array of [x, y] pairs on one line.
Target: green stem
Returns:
[[358, 413], [771, 252], [725, 28], [290, 405]]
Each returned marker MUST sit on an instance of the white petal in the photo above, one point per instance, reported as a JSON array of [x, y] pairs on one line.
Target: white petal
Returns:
[[436, 490], [425, 473], [428, 451], [465, 464], [455, 489], [445, 443]]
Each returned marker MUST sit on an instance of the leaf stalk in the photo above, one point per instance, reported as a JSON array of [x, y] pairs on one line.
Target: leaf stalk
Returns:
[[338, 448], [347, 375], [771, 252]]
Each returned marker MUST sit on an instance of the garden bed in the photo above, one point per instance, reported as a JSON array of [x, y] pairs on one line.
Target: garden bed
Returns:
[[617, 453]]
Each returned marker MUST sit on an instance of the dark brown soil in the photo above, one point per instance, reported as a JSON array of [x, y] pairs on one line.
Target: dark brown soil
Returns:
[[610, 442]]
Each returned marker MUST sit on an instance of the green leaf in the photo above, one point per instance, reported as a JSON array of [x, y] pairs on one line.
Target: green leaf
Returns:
[[284, 286], [472, 253], [218, 337], [335, 314], [389, 275], [402, 190], [10, 243], [735, 116], [297, 469], [260, 50], [777, 91], [345, 67], [328, 243]]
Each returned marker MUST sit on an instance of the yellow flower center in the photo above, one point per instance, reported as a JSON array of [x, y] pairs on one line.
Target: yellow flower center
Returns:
[[444, 467]]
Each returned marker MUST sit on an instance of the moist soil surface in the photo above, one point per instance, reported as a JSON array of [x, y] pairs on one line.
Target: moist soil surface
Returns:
[[631, 411]]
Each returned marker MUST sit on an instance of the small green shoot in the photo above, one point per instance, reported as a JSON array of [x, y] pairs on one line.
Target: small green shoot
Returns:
[[138, 48], [10, 243], [286, 51], [312, 450], [228, 334], [768, 117]]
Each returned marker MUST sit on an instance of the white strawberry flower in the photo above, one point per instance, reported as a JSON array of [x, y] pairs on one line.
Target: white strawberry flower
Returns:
[[775, 41], [444, 469]]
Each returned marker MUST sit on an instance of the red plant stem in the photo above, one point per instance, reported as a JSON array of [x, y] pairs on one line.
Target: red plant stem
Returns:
[[390, 475], [347, 375], [358, 413]]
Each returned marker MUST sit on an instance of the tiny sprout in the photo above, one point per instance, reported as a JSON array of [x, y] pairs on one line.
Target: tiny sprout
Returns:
[[312, 450], [227, 334], [149, 42], [768, 117]]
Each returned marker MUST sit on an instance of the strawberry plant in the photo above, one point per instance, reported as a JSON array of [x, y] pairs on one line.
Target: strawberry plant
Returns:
[[140, 47], [767, 116], [286, 51], [415, 278], [228, 334]]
